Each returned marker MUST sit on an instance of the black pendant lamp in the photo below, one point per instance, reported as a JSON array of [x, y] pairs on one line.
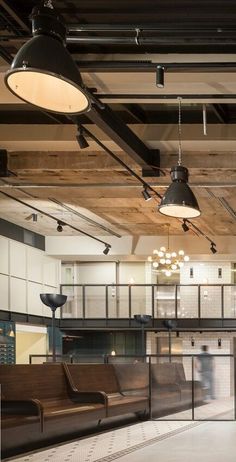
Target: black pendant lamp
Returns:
[[179, 200], [43, 72]]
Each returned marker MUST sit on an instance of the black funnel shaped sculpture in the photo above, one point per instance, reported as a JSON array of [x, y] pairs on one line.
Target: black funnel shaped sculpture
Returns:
[[53, 301], [142, 319]]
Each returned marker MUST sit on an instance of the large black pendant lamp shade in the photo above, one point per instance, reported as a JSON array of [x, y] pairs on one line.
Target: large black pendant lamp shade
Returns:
[[179, 200], [43, 72]]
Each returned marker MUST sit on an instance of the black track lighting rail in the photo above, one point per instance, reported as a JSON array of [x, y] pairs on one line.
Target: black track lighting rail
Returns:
[[121, 162], [199, 231], [146, 186], [83, 217], [64, 223]]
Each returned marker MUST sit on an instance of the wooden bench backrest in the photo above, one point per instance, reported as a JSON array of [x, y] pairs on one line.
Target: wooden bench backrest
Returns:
[[180, 372], [94, 377], [38, 381], [132, 377], [164, 373]]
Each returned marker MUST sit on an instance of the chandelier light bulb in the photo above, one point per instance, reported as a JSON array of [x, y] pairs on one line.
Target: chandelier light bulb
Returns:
[[162, 261], [186, 258], [173, 266], [168, 261], [168, 273], [161, 254], [181, 252], [168, 255], [150, 258], [180, 264], [174, 254], [155, 264], [163, 249], [155, 252]]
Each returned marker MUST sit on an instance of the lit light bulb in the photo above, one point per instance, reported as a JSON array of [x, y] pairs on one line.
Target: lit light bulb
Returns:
[[168, 255], [181, 252], [160, 253], [180, 263], [113, 353], [186, 258], [155, 252], [155, 264], [168, 273], [163, 249], [174, 254], [168, 261], [162, 261], [149, 258], [174, 267]]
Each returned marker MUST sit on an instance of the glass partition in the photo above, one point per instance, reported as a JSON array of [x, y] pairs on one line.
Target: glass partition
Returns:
[[210, 300], [164, 297], [73, 307], [171, 387], [229, 299], [95, 302], [214, 387], [162, 301], [187, 297]]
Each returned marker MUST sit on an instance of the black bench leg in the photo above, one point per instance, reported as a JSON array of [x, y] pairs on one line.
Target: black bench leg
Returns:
[[99, 421]]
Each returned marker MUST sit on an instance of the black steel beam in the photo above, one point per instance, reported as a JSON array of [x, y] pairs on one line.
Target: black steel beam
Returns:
[[114, 127], [149, 66], [183, 325]]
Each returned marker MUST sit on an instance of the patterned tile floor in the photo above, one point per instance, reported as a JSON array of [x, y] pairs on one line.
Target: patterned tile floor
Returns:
[[111, 445]]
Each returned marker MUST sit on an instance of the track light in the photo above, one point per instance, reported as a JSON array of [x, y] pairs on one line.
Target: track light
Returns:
[[160, 76], [146, 195], [219, 343], [107, 249], [185, 226], [212, 248], [33, 217], [43, 72], [60, 225], [192, 342], [81, 139]]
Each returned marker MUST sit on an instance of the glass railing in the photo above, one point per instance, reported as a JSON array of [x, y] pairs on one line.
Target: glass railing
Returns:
[[119, 301], [179, 387]]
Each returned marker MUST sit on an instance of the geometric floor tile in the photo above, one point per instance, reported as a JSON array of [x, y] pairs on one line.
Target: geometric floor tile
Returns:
[[111, 445]]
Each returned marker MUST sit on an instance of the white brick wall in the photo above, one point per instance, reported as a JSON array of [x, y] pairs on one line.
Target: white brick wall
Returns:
[[206, 273]]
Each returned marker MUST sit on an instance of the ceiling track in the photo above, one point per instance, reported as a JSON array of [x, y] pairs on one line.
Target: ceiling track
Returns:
[[83, 217], [46, 214], [149, 66]]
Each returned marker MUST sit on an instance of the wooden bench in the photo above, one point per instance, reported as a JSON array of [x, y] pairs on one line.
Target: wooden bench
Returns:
[[38, 403], [103, 377], [170, 390]]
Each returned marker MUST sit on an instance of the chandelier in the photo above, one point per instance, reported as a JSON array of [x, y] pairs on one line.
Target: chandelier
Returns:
[[167, 261]]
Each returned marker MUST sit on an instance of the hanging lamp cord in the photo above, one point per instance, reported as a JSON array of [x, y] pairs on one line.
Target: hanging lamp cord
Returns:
[[179, 133]]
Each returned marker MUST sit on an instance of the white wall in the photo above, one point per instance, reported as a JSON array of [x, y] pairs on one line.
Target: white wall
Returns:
[[25, 272], [30, 340], [206, 273]]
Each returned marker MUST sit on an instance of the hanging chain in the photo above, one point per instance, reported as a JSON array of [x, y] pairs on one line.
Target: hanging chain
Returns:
[[179, 133]]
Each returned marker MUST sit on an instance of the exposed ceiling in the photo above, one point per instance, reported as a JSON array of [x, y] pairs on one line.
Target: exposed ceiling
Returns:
[[117, 45]]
